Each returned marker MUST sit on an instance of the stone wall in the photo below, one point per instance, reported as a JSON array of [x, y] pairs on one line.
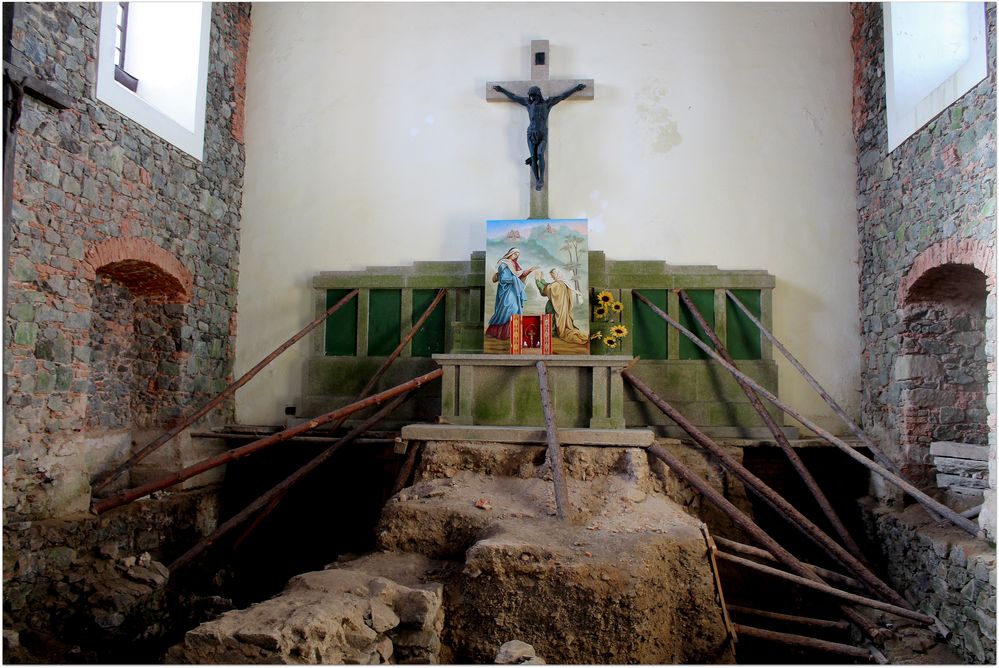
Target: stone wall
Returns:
[[91, 589], [121, 300], [948, 573], [927, 204]]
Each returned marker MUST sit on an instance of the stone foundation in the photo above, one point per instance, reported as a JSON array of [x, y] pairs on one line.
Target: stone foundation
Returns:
[[942, 571], [625, 580], [82, 588]]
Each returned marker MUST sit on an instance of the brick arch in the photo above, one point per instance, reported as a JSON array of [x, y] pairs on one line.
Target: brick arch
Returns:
[[142, 266], [948, 262]]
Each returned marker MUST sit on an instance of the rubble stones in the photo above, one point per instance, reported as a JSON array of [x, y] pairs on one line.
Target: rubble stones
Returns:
[[517, 652], [944, 571], [348, 613], [80, 580]]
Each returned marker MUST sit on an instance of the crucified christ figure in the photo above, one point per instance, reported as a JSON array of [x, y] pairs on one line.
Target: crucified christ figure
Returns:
[[537, 132]]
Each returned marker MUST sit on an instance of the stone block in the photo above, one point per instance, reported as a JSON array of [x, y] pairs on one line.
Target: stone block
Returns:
[[946, 480], [182, 451], [908, 367], [951, 415], [963, 467], [515, 652], [328, 617], [959, 450]]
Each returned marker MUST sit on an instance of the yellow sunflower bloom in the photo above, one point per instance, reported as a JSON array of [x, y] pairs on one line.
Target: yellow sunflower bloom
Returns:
[[600, 312], [617, 307], [610, 342], [605, 297], [619, 331]]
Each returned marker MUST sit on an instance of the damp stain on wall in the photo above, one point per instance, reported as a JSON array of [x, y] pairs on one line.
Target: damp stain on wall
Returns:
[[655, 119]]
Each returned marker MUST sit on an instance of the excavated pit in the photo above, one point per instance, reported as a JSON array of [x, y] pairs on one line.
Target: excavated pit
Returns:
[[626, 580]]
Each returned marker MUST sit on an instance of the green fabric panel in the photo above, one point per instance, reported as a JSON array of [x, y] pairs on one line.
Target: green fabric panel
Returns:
[[430, 339], [704, 300], [744, 341], [341, 327], [648, 328], [384, 321]]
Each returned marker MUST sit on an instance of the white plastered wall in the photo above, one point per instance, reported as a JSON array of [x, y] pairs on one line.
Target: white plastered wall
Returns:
[[720, 134]]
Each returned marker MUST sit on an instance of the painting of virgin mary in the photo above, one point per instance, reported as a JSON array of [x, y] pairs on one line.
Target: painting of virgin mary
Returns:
[[510, 294]]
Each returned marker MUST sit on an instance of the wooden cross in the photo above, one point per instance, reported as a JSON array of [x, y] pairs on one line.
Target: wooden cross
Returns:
[[549, 87]]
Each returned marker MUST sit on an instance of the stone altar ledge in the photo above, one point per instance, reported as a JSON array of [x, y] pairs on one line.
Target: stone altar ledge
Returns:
[[503, 390], [623, 438]]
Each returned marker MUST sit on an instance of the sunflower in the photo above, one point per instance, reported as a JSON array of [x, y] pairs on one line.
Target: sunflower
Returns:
[[610, 342], [617, 307], [600, 312], [619, 331], [605, 297]]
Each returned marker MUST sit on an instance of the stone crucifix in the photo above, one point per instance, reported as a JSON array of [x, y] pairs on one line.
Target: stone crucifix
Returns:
[[539, 95]]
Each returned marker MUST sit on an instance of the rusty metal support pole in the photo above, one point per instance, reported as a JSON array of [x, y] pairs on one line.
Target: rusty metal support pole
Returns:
[[274, 503], [554, 449], [363, 393], [778, 434], [824, 573], [907, 486], [772, 498], [148, 449], [793, 619], [803, 641], [130, 495], [278, 492], [743, 521], [810, 379], [826, 589]]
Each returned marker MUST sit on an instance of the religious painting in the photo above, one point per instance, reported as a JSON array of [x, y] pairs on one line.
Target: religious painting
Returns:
[[538, 267]]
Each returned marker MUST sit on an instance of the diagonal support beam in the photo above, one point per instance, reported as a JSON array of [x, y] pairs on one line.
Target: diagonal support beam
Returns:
[[824, 573], [130, 495], [829, 624], [907, 486], [826, 589], [772, 498], [278, 492], [879, 454], [796, 640], [363, 393], [744, 522], [778, 434]]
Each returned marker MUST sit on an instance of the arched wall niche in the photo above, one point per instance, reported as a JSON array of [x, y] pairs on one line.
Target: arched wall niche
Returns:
[[137, 358], [943, 364]]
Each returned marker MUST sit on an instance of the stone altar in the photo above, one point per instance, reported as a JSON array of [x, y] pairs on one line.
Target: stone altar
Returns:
[[587, 390]]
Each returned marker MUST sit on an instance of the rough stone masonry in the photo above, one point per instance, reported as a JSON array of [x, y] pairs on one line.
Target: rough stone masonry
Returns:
[[121, 294], [929, 202]]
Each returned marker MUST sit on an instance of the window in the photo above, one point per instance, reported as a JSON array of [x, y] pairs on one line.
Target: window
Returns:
[[934, 54], [120, 37], [161, 48]]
